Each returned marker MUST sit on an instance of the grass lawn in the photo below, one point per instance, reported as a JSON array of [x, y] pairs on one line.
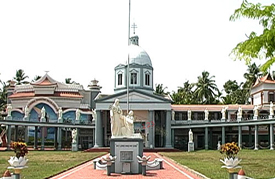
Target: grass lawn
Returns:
[[258, 164], [43, 164]]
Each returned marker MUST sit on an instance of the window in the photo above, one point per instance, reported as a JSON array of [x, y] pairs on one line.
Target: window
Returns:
[[270, 96], [133, 78], [147, 79], [119, 79]]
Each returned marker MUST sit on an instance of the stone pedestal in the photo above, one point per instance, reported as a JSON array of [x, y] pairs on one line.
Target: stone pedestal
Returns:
[[190, 146], [74, 147], [126, 150], [26, 118], [239, 119], [43, 119], [255, 117], [223, 120], [270, 117]]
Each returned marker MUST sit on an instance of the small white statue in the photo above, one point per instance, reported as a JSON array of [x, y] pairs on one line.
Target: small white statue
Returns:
[[256, 111], [26, 110], [74, 135], [60, 113], [206, 113], [271, 111], [43, 112], [189, 113], [224, 111], [240, 112], [173, 115], [190, 136], [77, 114], [9, 108], [94, 114]]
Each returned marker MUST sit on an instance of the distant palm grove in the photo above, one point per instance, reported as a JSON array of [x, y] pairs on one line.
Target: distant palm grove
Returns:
[[204, 91]]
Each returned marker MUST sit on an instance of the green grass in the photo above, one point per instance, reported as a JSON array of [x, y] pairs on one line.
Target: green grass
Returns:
[[258, 164], [43, 164]]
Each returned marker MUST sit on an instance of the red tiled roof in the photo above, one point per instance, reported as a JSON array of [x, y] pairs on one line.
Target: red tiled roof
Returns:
[[265, 79], [58, 94]]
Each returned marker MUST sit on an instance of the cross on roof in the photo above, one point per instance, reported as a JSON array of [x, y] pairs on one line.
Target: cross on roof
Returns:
[[134, 26]]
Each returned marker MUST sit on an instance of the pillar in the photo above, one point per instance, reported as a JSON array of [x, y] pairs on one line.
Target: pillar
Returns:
[[250, 136], [98, 130], [55, 138], [8, 137], [26, 134], [206, 138], [223, 135], [256, 138], [240, 136], [43, 138], [151, 131], [168, 143], [16, 133], [59, 138], [35, 137], [271, 136]]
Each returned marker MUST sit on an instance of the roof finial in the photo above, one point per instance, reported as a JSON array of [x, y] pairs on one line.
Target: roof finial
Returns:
[[47, 71], [134, 26]]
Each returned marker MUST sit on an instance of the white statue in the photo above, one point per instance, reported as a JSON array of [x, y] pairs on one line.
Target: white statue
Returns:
[[116, 118], [271, 111], [74, 135], [60, 113], [43, 112], [190, 136], [224, 111], [26, 110], [206, 113], [94, 114], [128, 124], [240, 112], [256, 111], [173, 115], [9, 108], [189, 114], [77, 114]]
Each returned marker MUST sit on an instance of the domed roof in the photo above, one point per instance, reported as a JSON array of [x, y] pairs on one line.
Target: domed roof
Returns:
[[138, 56]]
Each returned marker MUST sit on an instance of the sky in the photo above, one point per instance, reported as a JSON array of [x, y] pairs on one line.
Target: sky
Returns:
[[86, 39]]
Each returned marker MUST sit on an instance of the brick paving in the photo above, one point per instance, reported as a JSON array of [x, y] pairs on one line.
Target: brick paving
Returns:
[[171, 171]]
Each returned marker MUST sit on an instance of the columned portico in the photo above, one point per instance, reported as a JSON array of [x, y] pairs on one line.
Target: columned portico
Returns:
[[168, 133]]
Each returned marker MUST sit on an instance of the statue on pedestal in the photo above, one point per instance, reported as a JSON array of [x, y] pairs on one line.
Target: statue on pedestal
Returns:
[[190, 136], [206, 113], [240, 112], [26, 110], [189, 114], [9, 108], [94, 114], [224, 111], [256, 111], [43, 112], [74, 136], [121, 125], [271, 111], [60, 113], [77, 114]]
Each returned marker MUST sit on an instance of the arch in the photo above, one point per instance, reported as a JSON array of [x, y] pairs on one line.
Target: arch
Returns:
[[33, 102]]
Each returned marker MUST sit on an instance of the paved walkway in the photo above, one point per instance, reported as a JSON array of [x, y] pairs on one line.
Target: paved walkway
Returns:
[[171, 171]]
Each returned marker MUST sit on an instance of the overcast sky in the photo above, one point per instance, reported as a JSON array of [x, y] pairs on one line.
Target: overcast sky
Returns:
[[86, 39]]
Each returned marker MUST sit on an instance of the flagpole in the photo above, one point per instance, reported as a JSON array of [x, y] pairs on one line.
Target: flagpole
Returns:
[[128, 57]]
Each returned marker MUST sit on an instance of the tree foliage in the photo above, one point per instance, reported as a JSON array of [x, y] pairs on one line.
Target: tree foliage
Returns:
[[20, 77], [257, 46]]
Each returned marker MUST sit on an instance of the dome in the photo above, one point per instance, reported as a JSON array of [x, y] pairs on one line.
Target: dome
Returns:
[[138, 56]]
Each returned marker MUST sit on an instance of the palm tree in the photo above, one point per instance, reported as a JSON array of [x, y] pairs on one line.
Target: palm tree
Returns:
[[20, 77], [3, 96], [160, 89], [206, 88], [184, 95], [37, 77]]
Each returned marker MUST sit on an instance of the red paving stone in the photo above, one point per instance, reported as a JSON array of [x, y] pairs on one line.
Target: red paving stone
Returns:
[[171, 171]]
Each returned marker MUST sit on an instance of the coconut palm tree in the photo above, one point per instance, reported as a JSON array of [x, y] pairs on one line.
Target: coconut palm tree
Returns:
[[160, 89], [20, 77], [184, 95], [206, 90]]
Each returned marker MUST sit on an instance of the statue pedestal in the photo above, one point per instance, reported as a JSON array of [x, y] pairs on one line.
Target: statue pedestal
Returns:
[[239, 119], [223, 120], [74, 147], [190, 146], [43, 119], [255, 117], [26, 118], [8, 118], [60, 120], [126, 150], [270, 117]]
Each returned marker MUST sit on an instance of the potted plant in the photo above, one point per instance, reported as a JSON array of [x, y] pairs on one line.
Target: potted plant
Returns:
[[19, 160], [231, 161]]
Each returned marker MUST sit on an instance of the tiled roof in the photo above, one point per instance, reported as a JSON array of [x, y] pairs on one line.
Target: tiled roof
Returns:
[[57, 94], [265, 79]]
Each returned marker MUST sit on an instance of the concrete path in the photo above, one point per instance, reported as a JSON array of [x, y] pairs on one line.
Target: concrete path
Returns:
[[171, 171]]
